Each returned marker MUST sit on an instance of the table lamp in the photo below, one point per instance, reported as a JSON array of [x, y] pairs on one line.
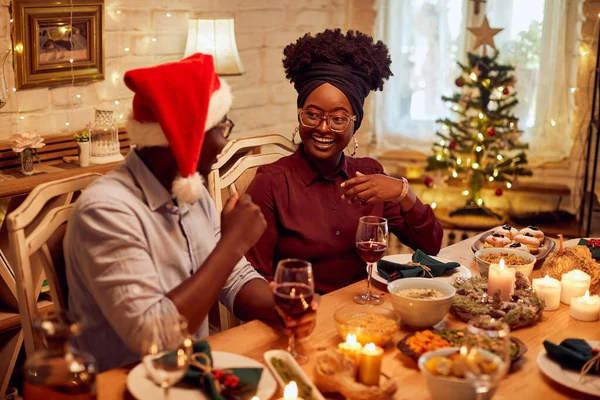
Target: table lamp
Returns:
[[215, 37]]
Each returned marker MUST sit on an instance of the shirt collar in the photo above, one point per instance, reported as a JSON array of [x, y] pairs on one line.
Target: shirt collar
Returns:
[[308, 172], [155, 193]]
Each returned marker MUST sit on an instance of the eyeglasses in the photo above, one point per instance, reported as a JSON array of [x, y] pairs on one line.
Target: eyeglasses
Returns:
[[225, 127], [337, 122]]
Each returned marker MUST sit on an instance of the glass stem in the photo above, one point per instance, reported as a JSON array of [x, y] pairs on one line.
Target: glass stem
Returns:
[[291, 344], [369, 280], [165, 391]]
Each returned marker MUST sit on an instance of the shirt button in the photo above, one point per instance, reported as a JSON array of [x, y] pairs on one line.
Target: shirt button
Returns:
[[337, 233]]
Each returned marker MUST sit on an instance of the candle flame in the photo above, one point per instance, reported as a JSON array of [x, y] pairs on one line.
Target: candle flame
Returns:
[[255, 398], [351, 339], [547, 280], [463, 351], [290, 391], [501, 264], [586, 296], [370, 346]]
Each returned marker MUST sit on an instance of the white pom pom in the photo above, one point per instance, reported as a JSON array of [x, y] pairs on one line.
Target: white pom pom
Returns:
[[188, 189]]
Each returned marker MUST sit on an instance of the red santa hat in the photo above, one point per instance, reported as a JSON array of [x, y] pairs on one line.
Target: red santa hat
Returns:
[[174, 105]]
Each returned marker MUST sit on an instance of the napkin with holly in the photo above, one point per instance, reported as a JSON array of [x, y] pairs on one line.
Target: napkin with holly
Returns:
[[572, 354], [423, 266], [593, 245], [218, 384]]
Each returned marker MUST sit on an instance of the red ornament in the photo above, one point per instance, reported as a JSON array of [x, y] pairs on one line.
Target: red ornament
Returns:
[[428, 181], [498, 192], [505, 91], [460, 82], [452, 145], [491, 132]]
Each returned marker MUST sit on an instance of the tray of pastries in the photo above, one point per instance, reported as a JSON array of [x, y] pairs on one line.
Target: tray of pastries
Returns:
[[530, 240]]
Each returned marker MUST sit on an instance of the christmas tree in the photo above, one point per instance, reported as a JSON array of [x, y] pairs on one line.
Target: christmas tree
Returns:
[[482, 144]]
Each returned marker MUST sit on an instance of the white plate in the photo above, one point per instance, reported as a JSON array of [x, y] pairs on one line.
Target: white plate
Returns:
[[590, 384], [141, 387], [459, 272], [572, 242], [289, 360]]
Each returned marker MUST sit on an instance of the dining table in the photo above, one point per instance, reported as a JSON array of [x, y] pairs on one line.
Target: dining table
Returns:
[[526, 381]]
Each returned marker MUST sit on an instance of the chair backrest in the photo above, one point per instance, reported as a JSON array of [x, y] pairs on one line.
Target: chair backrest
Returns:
[[35, 232], [238, 162]]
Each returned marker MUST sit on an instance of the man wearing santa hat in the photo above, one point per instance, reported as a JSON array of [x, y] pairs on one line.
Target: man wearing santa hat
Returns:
[[145, 243]]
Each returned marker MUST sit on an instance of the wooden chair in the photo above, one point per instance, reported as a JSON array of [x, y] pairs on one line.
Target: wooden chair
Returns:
[[36, 230], [233, 172]]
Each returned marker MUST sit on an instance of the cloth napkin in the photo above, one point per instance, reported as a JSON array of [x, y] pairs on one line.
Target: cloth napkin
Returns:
[[571, 354], [594, 250], [392, 271], [248, 377]]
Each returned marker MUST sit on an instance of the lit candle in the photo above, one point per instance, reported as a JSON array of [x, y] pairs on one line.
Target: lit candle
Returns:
[[501, 278], [586, 308], [574, 284], [290, 392], [370, 364], [351, 348], [549, 290]]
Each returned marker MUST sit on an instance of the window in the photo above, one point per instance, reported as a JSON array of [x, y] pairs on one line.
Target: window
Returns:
[[427, 37]]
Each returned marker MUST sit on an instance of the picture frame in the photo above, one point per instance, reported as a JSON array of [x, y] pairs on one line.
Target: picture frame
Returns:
[[48, 44]]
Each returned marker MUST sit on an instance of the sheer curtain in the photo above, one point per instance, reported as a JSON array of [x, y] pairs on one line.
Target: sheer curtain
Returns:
[[427, 37]]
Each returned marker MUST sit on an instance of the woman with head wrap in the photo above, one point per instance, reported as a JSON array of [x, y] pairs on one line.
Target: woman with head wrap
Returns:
[[312, 200]]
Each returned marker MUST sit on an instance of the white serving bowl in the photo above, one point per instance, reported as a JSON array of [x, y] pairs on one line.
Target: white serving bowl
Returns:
[[421, 313], [484, 266], [448, 387]]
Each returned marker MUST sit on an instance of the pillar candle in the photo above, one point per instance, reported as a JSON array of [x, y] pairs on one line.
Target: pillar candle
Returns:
[[586, 308], [369, 369], [351, 348], [574, 284], [549, 290], [501, 278]]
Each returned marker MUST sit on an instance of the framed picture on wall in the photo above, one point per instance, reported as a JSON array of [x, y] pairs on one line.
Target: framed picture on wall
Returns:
[[57, 42]]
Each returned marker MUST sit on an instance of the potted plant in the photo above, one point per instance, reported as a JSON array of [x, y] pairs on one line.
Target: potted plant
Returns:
[[83, 146], [26, 144]]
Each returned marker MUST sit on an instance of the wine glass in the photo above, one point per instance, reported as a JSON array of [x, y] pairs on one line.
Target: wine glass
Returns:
[[486, 352], [166, 352], [371, 244], [293, 293]]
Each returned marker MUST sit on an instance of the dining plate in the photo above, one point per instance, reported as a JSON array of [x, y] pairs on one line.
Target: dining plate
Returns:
[[589, 384], [459, 272], [141, 387], [546, 248]]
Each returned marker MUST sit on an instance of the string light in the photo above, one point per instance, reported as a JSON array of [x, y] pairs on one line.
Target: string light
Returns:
[[438, 157], [495, 173], [491, 179], [126, 49], [78, 95], [465, 193], [475, 165], [11, 20], [117, 102], [499, 157], [583, 53], [508, 185], [445, 127], [478, 149], [434, 205], [442, 142], [552, 122], [573, 90], [473, 76], [480, 136], [501, 88], [71, 60], [154, 39], [479, 201], [21, 117], [168, 15], [14, 89], [67, 124], [454, 174], [480, 115], [118, 11], [459, 161]]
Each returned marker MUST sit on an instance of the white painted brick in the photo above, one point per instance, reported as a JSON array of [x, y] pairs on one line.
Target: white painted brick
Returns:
[[253, 64], [116, 42], [259, 21], [282, 93], [179, 4], [251, 97], [7, 126], [67, 96], [5, 25], [178, 21], [33, 100], [261, 117], [272, 66], [328, 4], [128, 20], [258, 4], [312, 18], [163, 45], [249, 40], [280, 39]]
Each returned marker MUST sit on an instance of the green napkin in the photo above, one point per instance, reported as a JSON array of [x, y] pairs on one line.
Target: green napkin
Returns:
[[594, 250], [392, 271], [247, 378], [571, 354]]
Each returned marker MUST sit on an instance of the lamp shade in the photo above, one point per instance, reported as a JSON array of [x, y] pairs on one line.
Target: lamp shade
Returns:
[[215, 37]]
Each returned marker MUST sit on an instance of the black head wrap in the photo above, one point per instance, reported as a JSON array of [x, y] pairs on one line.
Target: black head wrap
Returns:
[[353, 83]]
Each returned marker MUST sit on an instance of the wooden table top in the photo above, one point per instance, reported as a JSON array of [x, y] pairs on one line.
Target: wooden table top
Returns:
[[254, 338]]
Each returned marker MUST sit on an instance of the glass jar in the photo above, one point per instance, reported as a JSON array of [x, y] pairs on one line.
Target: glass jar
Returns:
[[59, 371], [104, 139]]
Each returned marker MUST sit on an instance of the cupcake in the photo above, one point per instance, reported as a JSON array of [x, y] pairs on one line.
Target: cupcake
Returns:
[[496, 240], [532, 243], [517, 246], [535, 232], [507, 231]]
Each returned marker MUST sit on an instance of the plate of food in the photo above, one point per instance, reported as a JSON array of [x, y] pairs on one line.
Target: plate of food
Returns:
[[142, 387], [572, 379], [285, 369], [449, 276], [415, 344], [530, 240]]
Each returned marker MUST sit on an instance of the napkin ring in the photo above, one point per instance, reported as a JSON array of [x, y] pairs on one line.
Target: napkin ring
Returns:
[[404, 192]]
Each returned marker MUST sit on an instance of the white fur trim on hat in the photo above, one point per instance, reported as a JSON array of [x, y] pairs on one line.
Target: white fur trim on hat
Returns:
[[220, 103], [188, 189]]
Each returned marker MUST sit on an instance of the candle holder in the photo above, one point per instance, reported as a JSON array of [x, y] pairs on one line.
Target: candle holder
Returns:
[[586, 308]]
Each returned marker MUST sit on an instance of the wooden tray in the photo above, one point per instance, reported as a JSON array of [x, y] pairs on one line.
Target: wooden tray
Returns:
[[407, 351], [545, 248]]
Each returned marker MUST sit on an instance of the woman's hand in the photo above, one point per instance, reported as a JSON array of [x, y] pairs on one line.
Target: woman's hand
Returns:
[[370, 189], [302, 326]]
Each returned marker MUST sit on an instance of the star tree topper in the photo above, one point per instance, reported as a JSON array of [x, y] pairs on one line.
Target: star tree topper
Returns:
[[485, 35]]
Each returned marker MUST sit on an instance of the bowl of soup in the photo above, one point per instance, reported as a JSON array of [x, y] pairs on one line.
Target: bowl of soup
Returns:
[[421, 302]]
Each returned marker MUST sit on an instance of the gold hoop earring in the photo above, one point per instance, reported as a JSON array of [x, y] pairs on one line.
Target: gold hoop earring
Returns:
[[355, 147], [294, 135]]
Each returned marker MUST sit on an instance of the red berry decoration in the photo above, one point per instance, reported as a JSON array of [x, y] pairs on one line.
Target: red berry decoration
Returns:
[[428, 181], [498, 192], [505, 91], [452, 145], [460, 82], [491, 132]]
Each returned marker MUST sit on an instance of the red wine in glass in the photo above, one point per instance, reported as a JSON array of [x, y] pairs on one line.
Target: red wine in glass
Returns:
[[371, 252], [293, 298]]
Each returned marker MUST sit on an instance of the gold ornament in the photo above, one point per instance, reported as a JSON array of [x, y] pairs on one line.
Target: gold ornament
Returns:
[[486, 83], [485, 35]]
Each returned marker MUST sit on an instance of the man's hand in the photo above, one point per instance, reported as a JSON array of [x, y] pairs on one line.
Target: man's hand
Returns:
[[302, 326], [242, 223]]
